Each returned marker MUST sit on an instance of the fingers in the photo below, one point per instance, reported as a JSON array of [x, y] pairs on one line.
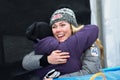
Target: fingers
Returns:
[[64, 55], [61, 61], [58, 57]]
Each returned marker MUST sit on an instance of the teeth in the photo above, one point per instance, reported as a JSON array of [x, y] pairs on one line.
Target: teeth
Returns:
[[60, 35]]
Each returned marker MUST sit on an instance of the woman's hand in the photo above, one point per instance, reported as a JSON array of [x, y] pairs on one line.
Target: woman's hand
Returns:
[[58, 57]]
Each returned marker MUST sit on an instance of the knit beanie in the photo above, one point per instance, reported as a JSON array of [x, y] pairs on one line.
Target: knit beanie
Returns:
[[38, 30], [64, 14]]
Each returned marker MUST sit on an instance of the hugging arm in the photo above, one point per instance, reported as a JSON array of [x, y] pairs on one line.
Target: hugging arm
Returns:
[[51, 39], [88, 67], [39, 59], [31, 61], [90, 62], [83, 39]]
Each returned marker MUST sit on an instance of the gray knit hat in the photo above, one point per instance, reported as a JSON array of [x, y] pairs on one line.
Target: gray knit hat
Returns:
[[64, 14]]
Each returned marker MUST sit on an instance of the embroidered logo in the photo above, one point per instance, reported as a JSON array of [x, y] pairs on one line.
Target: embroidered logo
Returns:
[[57, 16], [94, 51]]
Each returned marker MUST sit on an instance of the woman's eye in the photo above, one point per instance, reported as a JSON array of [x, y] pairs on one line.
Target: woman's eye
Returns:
[[62, 25], [53, 26]]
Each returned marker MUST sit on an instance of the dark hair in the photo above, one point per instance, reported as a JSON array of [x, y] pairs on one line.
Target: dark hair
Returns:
[[38, 30]]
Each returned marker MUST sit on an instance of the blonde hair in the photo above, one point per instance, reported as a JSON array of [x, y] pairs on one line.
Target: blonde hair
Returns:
[[75, 29], [98, 42]]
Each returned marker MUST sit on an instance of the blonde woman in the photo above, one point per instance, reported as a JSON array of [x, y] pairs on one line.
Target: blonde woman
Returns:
[[66, 42], [67, 46]]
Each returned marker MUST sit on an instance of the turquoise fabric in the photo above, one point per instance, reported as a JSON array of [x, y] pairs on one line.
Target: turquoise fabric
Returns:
[[110, 73]]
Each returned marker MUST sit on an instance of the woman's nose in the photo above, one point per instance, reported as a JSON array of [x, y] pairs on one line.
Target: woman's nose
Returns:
[[58, 29]]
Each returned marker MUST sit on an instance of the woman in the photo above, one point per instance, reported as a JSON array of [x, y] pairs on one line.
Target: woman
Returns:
[[57, 21], [61, 21]]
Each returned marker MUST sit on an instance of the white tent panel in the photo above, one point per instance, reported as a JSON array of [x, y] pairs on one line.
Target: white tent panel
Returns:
[[111, 22], [109, 13]]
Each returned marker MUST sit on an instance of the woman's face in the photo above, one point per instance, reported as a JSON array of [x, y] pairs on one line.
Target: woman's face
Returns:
[[61, 30]]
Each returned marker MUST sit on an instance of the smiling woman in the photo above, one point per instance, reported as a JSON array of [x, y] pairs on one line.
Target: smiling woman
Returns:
[[66, 47], [60, 22]]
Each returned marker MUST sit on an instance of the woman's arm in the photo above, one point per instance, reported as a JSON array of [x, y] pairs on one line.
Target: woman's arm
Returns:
[[31, 61], [46, 45], [83, 39], [87, 36], [90, 62]]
